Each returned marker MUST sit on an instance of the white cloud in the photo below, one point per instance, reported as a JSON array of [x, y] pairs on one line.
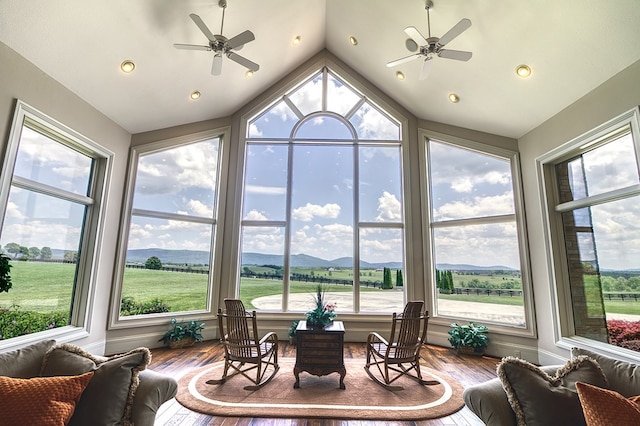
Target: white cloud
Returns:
[[373, 125], [255, 215], [389, 208], [264, 190], [310, 211], [199, 208], [477, 207]]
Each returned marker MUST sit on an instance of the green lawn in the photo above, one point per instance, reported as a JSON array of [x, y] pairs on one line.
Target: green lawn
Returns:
[[46, 287]]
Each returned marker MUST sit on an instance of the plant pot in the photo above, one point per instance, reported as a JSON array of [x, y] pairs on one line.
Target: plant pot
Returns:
[[182, 343], [468, 350]]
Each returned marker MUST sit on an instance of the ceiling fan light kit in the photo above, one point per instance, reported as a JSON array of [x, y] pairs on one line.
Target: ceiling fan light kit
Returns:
[[221, 45], [430, 47]]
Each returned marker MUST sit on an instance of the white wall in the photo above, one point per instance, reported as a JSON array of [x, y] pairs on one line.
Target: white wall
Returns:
[[20, 79], [619, 94]]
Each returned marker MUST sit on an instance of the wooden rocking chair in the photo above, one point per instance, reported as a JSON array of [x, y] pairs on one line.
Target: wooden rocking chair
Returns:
[[244, 354], [400, 356]]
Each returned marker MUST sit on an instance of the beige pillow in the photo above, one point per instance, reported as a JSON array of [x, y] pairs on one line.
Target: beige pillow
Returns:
[[539, 399], [623, 377], [108, 398], [24, 363]]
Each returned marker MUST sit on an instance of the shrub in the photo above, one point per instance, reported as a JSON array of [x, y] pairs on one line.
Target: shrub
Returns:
[[624, 333], [17, 322], [131, 307]]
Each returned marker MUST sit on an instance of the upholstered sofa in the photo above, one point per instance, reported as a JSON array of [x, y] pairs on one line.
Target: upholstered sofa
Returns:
[[116, 390], [489, 400]]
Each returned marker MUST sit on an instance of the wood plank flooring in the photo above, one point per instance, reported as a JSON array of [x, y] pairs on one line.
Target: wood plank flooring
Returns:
[[467, 370]]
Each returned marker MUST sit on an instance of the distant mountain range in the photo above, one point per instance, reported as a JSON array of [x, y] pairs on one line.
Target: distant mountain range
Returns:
[[195, 257]]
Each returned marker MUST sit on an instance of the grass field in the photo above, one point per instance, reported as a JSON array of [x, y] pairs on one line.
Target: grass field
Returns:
[[46, 287]]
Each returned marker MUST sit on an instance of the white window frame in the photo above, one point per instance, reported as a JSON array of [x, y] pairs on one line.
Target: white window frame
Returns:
[[518, 216], [91, 243], [215, 264], [562, 307]]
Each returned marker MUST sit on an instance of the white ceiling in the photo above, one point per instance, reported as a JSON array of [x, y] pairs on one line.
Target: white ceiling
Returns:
[[572, 46]]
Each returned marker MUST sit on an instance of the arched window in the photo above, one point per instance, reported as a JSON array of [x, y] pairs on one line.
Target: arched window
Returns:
[[322, 202]]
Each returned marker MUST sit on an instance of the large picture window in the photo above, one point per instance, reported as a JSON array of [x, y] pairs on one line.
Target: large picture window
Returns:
[[475, 234], [595, 207], [51, 193], [322, 202], [172, 228]]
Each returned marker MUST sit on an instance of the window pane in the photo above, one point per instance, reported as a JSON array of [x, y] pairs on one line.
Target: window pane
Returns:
[[265, 182], [308, 98], [468, 184], [380, 249], [484, 265], [380, 184], [370, 123], [42, 236], [179, 180], [323, 128], [275, 123], [261, 282], [606, 168], [46, 161], [340, 98], [180, 281]]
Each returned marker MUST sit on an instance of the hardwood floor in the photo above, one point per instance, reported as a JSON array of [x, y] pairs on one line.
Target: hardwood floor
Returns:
[[467, 370]]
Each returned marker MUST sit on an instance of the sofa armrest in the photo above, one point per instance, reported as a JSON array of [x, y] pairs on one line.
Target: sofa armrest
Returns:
[[489, 402], [154, 390]]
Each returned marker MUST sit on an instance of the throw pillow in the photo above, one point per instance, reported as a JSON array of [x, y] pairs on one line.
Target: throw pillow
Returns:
[[108, 398], [539, 399], [603, 407], [24, 363], [622, 376], [42, 401]]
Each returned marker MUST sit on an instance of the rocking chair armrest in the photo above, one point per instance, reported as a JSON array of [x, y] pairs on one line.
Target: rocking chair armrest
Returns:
[[376, 338], [272, 336]]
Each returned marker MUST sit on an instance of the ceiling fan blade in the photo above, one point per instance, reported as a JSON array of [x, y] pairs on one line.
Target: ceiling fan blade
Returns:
[[458, 55], [403, 60], [190, 47], [455, 31], [243, 61], [216, 66], [240, 40], [426, 67], [205, 30], [415, 36]]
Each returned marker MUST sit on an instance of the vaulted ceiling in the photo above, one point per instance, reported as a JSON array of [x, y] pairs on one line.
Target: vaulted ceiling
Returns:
[[572, 47]]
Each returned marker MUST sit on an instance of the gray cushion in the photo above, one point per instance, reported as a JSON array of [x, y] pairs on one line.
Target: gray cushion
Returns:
[[539, 399], [24, 363], [623, 377], [108, 398]]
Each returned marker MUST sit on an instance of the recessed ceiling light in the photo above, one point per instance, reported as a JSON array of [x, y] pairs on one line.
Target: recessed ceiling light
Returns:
[[127, 66], [400, 75], [523, 71], [454, 98], [296, 40], [353, 41], [248, 74], [195, 95]]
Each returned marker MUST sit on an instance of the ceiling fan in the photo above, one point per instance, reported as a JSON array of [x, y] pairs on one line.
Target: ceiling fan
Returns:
[[221, 45], [431, 47]]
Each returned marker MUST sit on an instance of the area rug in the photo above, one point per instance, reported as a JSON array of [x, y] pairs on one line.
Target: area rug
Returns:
[[320, 397]]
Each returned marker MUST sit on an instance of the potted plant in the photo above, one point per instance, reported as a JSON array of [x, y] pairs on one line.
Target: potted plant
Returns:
[[292, 331], [323, 313], [182, 334], [5, 277], [469, 339]]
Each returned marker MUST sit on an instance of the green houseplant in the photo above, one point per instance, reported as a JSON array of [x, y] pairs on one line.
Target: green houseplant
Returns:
[[471, 338], [182, 334], [292, 331]]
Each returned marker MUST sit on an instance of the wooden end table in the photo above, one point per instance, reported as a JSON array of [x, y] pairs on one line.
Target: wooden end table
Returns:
[[320, 351]]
